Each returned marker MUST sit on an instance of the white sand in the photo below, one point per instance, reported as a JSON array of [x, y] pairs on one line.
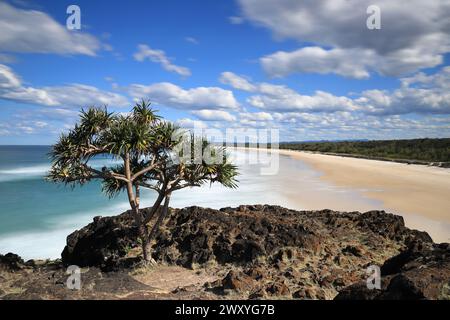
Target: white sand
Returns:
[[419, 193]]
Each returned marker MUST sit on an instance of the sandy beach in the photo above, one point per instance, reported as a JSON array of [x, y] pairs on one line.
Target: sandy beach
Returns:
[[420, 193]]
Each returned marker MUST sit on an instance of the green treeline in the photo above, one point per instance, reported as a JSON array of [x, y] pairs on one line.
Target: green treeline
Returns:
[[432, 150]]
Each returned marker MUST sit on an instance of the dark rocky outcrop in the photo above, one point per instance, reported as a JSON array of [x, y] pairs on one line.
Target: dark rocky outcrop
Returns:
[[240, 235], [101, 243], [422, 271], [267, 251], [11, 262]]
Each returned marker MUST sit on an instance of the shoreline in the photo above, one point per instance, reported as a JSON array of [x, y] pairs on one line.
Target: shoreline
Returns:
[[419, 193], [438, 164]]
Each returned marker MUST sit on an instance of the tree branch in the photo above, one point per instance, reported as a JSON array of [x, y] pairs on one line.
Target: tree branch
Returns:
[[106, 174], [143, 171], [185, 185], [161, 217], [148, 217], [148, 186]]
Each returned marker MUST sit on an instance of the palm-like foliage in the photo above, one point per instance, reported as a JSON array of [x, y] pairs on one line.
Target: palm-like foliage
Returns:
[[149, 150]]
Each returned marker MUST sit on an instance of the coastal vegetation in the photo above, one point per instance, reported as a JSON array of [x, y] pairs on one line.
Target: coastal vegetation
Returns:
[[427, 150], [152, 154]]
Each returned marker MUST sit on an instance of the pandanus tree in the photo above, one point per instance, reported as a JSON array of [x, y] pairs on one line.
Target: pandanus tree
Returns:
[[151, 153]]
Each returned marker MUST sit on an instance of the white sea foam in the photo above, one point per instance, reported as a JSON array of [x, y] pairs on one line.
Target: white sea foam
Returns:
[[50, 243], [23, 173], [36, 245], [39, 170]]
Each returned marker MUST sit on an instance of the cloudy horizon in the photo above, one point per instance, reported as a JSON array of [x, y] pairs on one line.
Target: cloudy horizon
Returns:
[[311, 69]]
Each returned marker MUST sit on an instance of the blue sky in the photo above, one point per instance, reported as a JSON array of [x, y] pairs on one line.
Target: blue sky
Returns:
[[311, 69]]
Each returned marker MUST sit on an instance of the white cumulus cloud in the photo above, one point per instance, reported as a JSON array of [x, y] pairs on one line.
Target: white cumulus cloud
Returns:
[[236, 81], [73, 95], [8, 79], [191, 124], [34, 31], [411, 37], [159, 56], [351, 63], [170, 95], [283, 98], [420, 94], [214, 115]]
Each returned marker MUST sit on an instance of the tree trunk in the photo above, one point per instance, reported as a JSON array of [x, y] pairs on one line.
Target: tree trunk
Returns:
[[146, 245], [161, 217], [148, 217], [134, 200], [143, 230]]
